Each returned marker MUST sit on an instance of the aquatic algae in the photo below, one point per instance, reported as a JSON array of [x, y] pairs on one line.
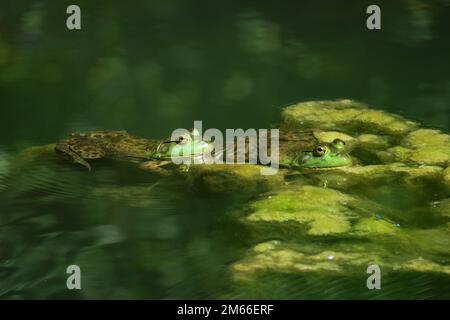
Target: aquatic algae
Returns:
[[395, 154], [442, 207], [372, 141], [277, 256], [430, 147], [322, 211], [422, 147], [427, 137], [372, 226], [447, 176], [287, 257], [422, 265], [231, 178], [345, 115], [371, 175], [330, 136]]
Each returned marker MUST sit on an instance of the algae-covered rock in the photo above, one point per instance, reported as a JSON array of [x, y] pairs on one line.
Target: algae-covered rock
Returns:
[[422, 265], [426, 137], [232, 178], [373, 226], [395, 154], [329, 136], [430, 147], [347, 116], [322, 211], [372, 141], [276, 256], [446, 178], [442, 207], [420, 147], [371, 175]]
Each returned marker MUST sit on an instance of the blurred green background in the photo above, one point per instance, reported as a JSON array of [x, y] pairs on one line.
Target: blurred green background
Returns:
[[152, 66]]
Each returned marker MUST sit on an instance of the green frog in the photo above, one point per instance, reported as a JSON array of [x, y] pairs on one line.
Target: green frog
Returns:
[[120, 145], [296, 149], [320, 155]]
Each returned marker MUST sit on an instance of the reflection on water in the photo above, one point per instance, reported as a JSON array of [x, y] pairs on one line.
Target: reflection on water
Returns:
[[153, 67]]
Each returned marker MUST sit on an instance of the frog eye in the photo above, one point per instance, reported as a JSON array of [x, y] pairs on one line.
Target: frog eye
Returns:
[[183, 139], [338, 143], [320, 151]]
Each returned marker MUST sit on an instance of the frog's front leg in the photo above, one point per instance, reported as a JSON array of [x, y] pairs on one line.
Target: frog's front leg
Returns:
[[155, 166], [66, 149]]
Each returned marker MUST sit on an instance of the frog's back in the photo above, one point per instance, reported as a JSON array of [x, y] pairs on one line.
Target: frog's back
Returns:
[[118, 145]]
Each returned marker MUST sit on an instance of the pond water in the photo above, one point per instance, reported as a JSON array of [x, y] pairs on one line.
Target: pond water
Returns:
[[155, 66]]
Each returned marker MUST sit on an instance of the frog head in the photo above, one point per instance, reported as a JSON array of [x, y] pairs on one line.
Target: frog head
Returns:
[[329, 155], [188, 144]]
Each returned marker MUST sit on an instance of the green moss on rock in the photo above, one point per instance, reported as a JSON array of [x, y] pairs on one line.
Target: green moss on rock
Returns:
[[339, 258], [345, 115], [323, 211], [345, 177], [372, 226], [232, 178]]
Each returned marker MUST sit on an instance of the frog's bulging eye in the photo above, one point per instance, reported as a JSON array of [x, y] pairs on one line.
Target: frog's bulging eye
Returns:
[[320, 151], [184, 139], [338, 144]]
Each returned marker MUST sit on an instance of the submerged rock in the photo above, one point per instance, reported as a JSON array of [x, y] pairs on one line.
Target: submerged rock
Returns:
[[322, 211], [232, 178], [276, 256], [349, 115], [376, 211], [422, 147], [370, 174]]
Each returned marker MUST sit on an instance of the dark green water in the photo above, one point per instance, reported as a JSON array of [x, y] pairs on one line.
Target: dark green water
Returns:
[[152, 66]]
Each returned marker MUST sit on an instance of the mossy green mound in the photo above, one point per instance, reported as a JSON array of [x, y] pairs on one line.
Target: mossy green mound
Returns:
[[232, 178], [322, 211], [276, 256], [345, 115]]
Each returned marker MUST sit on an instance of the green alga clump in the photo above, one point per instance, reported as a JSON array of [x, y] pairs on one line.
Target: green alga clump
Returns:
[[420, 147], [373, 226], [372, 141], [232, 178], [329, 136], [447, 176], [322, 210], [442, 207], [345, 115], [276, 256], [430, 147], [345, 177]]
